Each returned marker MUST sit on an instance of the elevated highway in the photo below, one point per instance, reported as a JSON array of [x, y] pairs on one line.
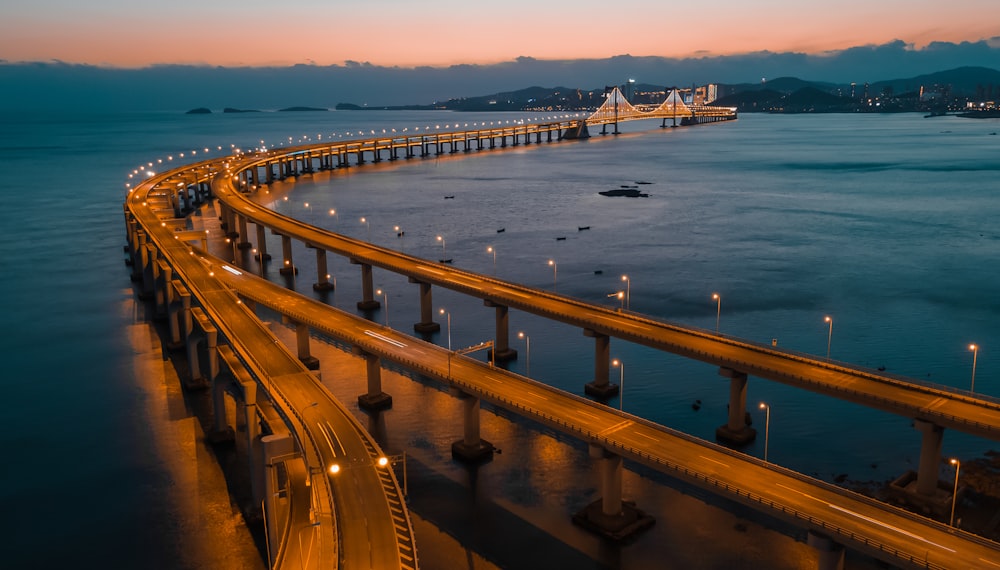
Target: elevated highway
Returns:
[[355, 513], [882, 531]]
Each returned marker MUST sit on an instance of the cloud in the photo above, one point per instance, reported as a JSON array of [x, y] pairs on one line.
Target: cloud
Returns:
[[168, 87]]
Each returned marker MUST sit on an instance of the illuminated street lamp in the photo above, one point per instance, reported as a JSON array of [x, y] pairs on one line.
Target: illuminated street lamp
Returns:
[[555, 271], [399, 234], [385, 303], [448, 314], [527, 355], [829, 335], [392, 460], [628, 291], [620, 295], [767, 426], [621, 383], [334, 213], [975, 352], [493, 250], [718, 309], [368, 227], [954, 494], [444, 248]]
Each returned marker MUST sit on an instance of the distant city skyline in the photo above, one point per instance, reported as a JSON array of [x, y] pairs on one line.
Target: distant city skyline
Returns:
[[435, 33]]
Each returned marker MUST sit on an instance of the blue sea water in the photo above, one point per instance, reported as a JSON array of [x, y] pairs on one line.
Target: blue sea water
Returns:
[[887, 223]]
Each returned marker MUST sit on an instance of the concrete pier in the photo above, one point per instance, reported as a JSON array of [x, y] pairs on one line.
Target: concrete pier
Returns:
[[302, 344], [426, 324], [930, 456], [322, 275], [830, 555], [600, 387], [287, 267], [368, 301], [736, 429], [501, 351], [375, 398], [471, 448], [610, 516]]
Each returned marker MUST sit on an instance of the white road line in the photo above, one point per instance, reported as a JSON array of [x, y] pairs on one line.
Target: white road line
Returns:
[[990, 562], [649, 437], [385, 338], [888, 526], [714, 461], [326, 436], [800, 492]]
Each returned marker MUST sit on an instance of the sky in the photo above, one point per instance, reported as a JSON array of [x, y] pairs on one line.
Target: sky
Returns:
[[412, 33]]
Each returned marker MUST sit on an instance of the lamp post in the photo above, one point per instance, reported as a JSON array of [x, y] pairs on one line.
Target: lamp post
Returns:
[[555, 271], [399, 234], [333, 212], [829, 335], [621, 383], [492, 250], [444, 248], [718, 309], [393, 459], [385, 303], [448, 314], [368, 227], [954, 493], [620, 295], [628, 292], [975, 352], [767, 426], [527, 355]]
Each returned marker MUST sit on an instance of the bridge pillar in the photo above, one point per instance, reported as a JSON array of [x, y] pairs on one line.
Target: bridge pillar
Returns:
[[830, 555], [229, 222], [277, 449], [426, 324], [302, 345], [501, 351], [243, 242], [148, 271], [610, 516], [736, 430], [269, 172], [174, 292], [368, 301], [930, 456], [186, 195], [471, 448], [375, 398], [287, 267], [600, 387], [221, 430], [163, 275], [252, 177], [252, 422], [262, 255], [322, 275]]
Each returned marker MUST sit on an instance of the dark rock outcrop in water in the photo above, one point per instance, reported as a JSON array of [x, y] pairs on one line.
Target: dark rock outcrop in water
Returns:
[[199, 111], [627, 192], [302, 109], [233, 110]]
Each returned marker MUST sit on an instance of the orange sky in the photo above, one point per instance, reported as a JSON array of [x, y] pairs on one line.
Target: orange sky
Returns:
[[443, 32]]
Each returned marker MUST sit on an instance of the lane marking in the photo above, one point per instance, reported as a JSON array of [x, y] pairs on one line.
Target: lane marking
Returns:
[[231, 270], [714, 461], [889, 526], [616, 427], [384, 338]]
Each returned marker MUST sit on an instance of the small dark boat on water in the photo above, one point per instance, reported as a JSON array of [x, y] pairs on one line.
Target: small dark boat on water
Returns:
[[627, 192], [581, 228]]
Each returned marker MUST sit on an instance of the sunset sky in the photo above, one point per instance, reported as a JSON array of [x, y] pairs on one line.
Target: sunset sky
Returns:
[[130, 33]]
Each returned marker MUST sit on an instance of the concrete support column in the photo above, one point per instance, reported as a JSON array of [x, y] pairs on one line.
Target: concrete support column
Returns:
[[161, 287], [502, 351], [221, 430], [186, 194], [229, 222], [375, 398], [471, 448], [600, 387], [269, 172], [302, 344], [243, 242], [610, 516], [830, 555], [322, 275], [174, 291], [277, 448], [287, 267], [262, 255], [426, 324], [368, 301], [736, 429], [930, 456]]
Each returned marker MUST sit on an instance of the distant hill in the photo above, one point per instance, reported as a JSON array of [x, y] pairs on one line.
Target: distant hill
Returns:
[[962, 81]]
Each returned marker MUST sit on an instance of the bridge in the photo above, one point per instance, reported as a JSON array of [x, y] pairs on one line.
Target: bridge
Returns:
[[157, 236]]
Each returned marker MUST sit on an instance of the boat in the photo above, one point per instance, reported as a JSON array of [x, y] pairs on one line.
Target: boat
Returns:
[[627, 192]]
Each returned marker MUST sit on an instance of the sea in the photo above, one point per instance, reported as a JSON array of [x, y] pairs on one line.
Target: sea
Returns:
[[886, 223]]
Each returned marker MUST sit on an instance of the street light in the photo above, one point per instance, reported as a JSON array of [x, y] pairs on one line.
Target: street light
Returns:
[[400, 233], [954, 494], [368, 226], [975, 352], [628, 291], [444, 247], [829, 335], [444, 312], [490, 249], [555, 271], [385, 303], [767, 426], [391, 460], [620, 295], [527, 356], [718, 309], [621, 383]]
